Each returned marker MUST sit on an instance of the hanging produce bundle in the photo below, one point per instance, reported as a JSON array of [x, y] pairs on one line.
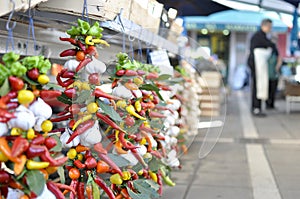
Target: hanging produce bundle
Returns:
[[28, 154], [120, 140]]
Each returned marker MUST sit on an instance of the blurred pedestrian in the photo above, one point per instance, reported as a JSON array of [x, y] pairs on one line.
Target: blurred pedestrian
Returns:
[[274, 64], [260, 52]]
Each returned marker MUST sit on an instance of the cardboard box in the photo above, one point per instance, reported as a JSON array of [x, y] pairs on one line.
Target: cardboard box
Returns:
[[97, 9]]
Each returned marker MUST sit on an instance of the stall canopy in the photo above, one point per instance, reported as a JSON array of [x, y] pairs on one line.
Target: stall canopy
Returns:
[[207, 7], [234, 20]]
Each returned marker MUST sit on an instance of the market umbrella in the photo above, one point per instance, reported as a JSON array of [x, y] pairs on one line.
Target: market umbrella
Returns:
[[294, 33]]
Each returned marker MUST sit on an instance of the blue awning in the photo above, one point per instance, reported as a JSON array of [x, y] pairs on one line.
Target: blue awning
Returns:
[[233, 20]]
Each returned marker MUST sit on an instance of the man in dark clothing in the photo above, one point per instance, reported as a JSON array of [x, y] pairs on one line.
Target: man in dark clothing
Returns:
[[258, 40]]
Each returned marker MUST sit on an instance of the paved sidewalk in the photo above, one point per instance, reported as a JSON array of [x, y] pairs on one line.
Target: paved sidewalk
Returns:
[[255, 158]]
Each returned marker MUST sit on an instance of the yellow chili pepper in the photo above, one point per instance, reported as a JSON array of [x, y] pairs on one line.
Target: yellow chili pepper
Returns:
[[100, 41], [3, 157], [30, 134], [15, 131], [84, 119], [138, 106], [31, 164], [126, 175], [107, 130], [130, 109], [153, 176], [117, 135], [89, 40]]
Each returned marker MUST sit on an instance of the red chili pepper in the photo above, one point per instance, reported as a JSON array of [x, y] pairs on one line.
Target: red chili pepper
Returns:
[[147, 105], [20, 145], [16, 83], [98, 147], [81, 45], [6, 150], [124, 141], [81, 129], [79, 164], [6, 98], [130, 73], [90, 163], [152, 76], [120, 72], [66, 187], [4, 191], [88, 154], [103, 186], [74, 185], [55, 190], [70, 92], [71, 40], [68, 74], [129, 121], [164, 108], [158, 136], [138, 156], [160, 183], [114, 83], [113, 165], [99, 93], [12, 105], [35, 151], [45, 94], [50, 142], [133, 174], [91, 50], [80, 190], [154, 114], [4, 177], [68, 52], [4, 120], [89, 191], [53, 162], [6, 114], [108, 121], [62, 118], [38, 140], [83, 63], [141, 72], [65, 83], [94, 79], [147, 129]]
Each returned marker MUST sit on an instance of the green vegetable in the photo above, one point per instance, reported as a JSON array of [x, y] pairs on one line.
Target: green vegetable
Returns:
[[95, 30], [17, 69], [10, 58], [74, 31], [44, 65], [84, 26], [4, 73], [31, 62]]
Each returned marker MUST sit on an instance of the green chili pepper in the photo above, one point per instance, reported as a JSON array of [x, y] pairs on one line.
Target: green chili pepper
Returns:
[[17, 69]]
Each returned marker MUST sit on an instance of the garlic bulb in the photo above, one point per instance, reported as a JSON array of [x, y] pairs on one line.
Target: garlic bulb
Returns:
[[41, 109], [91, 136], [95, 66], [122, 91], [24, 118], [3, 129], [71, 64], [65, 136]]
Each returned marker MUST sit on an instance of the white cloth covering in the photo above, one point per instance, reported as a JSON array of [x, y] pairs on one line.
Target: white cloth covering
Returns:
[[261, 56]]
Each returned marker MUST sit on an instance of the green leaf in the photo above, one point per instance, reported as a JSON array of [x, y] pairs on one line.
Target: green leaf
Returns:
[[83, 96], [149, 87], [155, 164], [135, 127], [163, 77], [147, 189], [110, 111], [175, 81], [58, 146], [61, 174], [54, 86], [118, 160], [36, 181], [64, 99], [29, 81], [5, 88]]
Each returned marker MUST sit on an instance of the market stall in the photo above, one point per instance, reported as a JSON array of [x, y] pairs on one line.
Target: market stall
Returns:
[[83, 111]]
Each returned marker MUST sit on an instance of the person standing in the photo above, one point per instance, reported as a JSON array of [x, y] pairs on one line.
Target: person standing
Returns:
[[274, 64], [260, 51]]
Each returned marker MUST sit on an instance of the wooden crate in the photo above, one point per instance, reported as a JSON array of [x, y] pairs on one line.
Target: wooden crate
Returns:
[[140, 15], [292, 89], [97, 9]]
